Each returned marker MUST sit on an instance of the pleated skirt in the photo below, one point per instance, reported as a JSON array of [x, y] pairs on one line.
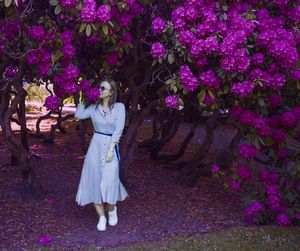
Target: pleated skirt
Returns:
[[99, 181]]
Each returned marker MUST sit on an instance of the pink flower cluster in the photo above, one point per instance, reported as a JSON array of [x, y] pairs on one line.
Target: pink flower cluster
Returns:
[[209, 79], [92, 94], [203, 46], [66, 36], [247, 151], [278, 41], [11, 71], [158, 50], [188, 80], [187, 38], [68, 3], [244, 172], [215, 169], [103, 14], [41, 56], [158, 25], [172, 101], [234, 185], [88, 12], [113, 58], [45, 240], [52, 103], [254, 208], [37, 32], [242, 89]]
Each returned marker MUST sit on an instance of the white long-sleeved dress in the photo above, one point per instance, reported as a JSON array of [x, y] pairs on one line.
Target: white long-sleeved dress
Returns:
[[99, 181]]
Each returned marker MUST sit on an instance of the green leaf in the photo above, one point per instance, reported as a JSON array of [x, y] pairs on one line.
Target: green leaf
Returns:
[[226, 89], [268, 141], [261, 102], [261, 141], [95, 27], [82, 27], [53, 59], [171, 58], [201, 95], [105, 30], [88, 30], [16, 3], [170, 81], [189, 59], [181, 102], [7, 3], [53, 2], [240, 77], [211, 94], [160, 60], [57, 9], [298, 84]]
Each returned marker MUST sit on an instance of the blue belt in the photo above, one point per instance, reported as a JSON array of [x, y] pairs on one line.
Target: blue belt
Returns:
[[116, 145]]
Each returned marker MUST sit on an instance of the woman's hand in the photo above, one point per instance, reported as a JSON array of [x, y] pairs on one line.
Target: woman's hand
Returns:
[[110, 156]]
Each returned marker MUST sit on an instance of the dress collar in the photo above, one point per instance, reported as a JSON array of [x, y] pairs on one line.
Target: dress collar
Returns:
[[107, 112]]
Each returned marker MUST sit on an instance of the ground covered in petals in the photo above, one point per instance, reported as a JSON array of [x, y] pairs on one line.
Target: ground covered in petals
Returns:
[[158, 207]]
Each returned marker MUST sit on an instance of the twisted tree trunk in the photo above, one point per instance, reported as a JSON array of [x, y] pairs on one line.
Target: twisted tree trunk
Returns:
[[190, 173], [18, 148]]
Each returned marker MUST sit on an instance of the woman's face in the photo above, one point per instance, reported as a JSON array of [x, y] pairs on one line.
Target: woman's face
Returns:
[[105, 90]]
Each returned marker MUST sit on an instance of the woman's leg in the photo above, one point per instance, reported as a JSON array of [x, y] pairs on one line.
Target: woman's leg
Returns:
[[110, 207], [100, 209]]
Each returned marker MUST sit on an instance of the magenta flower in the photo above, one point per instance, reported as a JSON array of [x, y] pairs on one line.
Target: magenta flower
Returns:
[[71, 72], [274, 100], [113, 58], [242, 89], [243, 172], [283, 220], [92, 94], [69, 51], [68, 3], [253, 208], [157, 50], [88, 12], [210, 80], [172, 101], [52, 103], [158, 25], [103, 14], [66, 36], [31, 58], [84, 85], [11, 71], [45, 240], [215, 169], [70, 87], [37, 32], [187, 78], [234, 185], [247, 151]]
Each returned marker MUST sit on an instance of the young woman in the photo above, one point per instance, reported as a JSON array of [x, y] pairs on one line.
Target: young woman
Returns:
[[99, 182]]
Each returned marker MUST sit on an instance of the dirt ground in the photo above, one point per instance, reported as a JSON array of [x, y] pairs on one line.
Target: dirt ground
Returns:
[[157, 209]]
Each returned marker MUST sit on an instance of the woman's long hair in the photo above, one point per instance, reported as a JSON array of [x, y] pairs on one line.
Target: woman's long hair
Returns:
[[113, 90]]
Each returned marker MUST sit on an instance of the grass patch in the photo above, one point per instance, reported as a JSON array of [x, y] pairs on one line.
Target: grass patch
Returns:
[[241, 238]]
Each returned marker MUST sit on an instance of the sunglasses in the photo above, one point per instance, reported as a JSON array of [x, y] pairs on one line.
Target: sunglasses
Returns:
[[102, 88]]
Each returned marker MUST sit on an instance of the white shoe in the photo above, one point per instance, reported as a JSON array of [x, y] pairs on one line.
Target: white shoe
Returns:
[[102, 223], [112, 217]]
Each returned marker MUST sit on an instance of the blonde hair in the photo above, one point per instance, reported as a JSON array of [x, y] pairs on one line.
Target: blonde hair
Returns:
[[113, 90]]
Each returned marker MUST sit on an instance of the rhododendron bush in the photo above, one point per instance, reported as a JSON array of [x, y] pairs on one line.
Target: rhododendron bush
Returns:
[[244, 54], [235, 55]]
